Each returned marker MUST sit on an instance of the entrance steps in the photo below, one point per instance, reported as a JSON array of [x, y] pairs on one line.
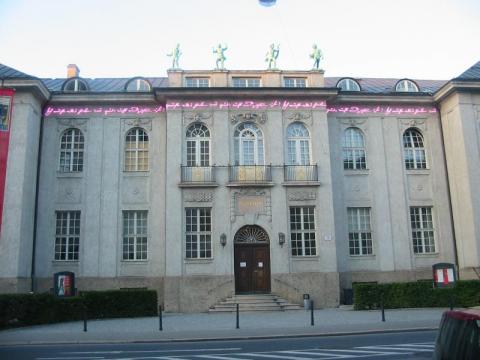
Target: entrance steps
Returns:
[[256, 302]]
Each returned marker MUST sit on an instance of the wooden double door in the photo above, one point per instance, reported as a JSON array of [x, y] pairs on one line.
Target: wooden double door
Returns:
[[252, 268]]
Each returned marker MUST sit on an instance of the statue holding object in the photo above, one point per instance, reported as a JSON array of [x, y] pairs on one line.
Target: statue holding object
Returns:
[[272, 56], [220, 52], [175, 54], [316, 55]]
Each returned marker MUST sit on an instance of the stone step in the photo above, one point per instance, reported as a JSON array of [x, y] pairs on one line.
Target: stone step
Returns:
[[254, 302]]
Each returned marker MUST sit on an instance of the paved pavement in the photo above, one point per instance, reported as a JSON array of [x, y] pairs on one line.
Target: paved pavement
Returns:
[[202, 326]]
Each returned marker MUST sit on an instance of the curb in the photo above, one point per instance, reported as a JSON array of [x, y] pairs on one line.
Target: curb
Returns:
[[226, 338]]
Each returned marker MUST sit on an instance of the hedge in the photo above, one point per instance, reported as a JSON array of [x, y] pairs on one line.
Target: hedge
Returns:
[[415, 294], [34, 309]]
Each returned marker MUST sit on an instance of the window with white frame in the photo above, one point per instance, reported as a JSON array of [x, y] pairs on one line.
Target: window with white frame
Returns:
[[138, 85], [302, 230], [422, 230], [348, 85], [135, 234], [197, 82], [295, 82], [248, 144], [71, 151], [198, 145], [75, 85], [359, 231], [406, 85], [198, 233], [414, 150], [245, 82], [136, 150], [298, 144], [353, 149], [67, 235]]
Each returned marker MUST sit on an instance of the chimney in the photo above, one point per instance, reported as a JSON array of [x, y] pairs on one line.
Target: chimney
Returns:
[[72, 71]]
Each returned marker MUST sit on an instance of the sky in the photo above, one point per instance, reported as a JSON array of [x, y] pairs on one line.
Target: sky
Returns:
[[418, 39]]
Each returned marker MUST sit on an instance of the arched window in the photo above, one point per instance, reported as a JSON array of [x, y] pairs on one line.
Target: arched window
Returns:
[[198, 145], [353, 149], [71, 151], [136, 150], [348, 85], [138, 84], [75, 85], [298, 144], [406, 85], [248, 142], [414, 150]]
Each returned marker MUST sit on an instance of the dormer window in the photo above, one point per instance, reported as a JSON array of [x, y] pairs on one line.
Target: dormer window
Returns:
[[348, 85], [246, 82], [406, 85], [75, 85], [295, 82], [196, 82], [138, 85]]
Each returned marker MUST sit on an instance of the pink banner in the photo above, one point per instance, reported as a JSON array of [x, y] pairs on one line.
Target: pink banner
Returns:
[[6, 97]]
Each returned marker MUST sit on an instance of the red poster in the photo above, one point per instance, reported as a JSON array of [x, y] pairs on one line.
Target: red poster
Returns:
[[6, 97]]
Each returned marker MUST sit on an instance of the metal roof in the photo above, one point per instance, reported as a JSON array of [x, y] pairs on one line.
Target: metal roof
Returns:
[[471, 74], [6, 72], [384, 85], [105, 84]]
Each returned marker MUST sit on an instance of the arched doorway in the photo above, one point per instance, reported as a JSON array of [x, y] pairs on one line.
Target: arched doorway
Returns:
[[252, 260]]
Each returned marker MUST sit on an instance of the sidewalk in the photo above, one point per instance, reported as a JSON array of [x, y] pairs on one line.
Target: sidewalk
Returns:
[[203, 326]]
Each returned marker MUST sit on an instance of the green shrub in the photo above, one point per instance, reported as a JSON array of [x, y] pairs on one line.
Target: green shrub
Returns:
[[33, 309], [415, 294]]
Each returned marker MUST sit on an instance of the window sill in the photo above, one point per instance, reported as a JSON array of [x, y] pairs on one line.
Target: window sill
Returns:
[[198, 261], [65, 262], [353, 172], [301, 183], [305, 258], [197, 184], [418, 172], [362, 257], [427, 255], [134, 261], [136, 173], [77, 174]]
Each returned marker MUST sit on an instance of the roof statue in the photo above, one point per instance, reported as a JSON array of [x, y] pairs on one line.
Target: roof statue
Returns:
[[272, 55], [220, 52], [316, 55], [175, 54]]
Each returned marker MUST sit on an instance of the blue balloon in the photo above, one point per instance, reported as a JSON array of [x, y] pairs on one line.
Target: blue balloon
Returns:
[[267, 2]]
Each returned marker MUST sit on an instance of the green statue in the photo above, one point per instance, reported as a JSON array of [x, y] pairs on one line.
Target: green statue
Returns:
[[316, 55], [220, 52], [175, 54], [272, 56]]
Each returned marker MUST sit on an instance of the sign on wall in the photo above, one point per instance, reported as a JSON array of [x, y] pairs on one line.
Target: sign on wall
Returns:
[[64, 284], [6, 101], [444, 275]]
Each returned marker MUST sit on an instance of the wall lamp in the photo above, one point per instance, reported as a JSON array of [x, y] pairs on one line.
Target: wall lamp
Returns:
[[281, 238], [223, 240]]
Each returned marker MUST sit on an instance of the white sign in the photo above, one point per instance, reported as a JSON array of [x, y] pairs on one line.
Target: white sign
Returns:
[[260, 264], [243, 264]]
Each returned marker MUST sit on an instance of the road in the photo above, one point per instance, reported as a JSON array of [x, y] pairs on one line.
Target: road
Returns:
[[400, 345]]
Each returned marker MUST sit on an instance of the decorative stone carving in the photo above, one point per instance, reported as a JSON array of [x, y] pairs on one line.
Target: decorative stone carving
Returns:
[[136, 191], [64, 124], [352, 121], [259, 118], [197, 117], [198, 196], [418, 123], [262, 203], [302, 195], [68, 193], [304, 117], [143, 123]]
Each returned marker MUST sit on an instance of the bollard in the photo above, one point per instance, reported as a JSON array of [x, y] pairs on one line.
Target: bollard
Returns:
[[160, 320], [238, 317], [84, 318], [451, 301], [312, 320], [382, 307]]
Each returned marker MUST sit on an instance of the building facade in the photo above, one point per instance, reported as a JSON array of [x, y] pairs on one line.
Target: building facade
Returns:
[[205, 184]]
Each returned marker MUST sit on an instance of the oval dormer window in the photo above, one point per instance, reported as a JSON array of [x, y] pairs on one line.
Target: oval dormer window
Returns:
[[75, 84]]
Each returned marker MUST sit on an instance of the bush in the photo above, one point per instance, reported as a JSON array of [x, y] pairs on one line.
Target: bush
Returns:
[[34, 309], [415, 294]]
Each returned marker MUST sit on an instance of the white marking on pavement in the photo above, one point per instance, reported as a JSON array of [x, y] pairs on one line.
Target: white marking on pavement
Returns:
[[276, 356], [149, 351], [367, 352], [70, 358], [394, 347]]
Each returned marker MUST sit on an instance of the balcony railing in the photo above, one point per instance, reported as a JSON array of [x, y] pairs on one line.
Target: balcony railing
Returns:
[[198, 174], [301, 173], [250, 173]]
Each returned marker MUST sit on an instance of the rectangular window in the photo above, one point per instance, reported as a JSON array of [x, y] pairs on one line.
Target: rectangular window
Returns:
[[197, 82], [422, 230], [295, 82], [359, 231], [302, 231], [246, 82], [135, 235], [198, 233], [67, 235]]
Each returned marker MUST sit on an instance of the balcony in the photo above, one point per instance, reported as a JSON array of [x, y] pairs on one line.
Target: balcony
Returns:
[[198, 176], [301, 173], [250, 174]]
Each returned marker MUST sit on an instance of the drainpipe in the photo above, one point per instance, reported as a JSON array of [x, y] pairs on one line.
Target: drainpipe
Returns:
[[450, 207], [37, 186]]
